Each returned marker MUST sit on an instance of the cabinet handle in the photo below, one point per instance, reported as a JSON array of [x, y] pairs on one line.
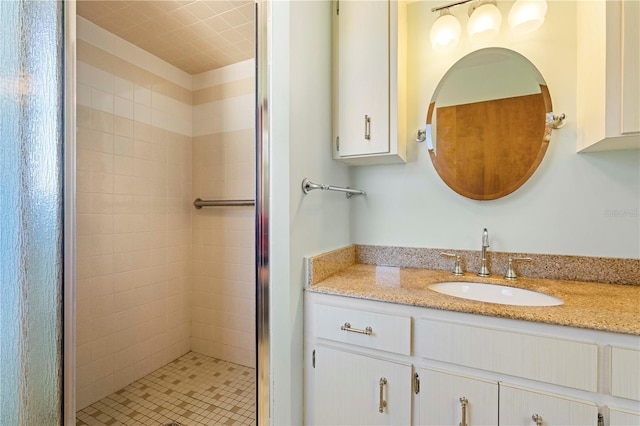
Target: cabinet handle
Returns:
[[347, 327], [463, 402], [537, 418], [367, 127], [383, 403]]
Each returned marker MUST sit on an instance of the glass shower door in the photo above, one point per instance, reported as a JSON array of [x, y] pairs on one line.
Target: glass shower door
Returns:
[[31, 211]]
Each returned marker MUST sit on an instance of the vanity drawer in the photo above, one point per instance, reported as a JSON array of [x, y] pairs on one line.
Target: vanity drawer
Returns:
[[391, 333], [554, 360], [625, 372]]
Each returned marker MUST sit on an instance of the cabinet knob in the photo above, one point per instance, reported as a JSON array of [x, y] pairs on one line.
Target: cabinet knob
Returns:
[[537, 418]]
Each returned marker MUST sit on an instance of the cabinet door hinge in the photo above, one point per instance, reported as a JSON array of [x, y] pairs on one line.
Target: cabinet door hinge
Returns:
[[337, 143], [600, 420], [416, 383], [313, 358]]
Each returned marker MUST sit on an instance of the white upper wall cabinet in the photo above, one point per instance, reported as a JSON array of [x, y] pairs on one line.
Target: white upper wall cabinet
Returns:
[[608, 83], [369, 82]]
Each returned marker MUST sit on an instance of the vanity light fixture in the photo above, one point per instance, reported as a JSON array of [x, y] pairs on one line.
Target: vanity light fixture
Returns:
[[485, 20], [527, 15], [445, 32]]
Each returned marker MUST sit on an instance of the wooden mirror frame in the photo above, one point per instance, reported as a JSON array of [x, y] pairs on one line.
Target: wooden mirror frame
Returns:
[[489, 149]]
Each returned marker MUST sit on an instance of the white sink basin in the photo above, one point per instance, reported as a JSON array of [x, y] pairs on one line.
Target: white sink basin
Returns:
[[494, 293]]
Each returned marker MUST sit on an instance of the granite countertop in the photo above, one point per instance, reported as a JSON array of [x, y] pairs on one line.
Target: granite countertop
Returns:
[[597, 306]]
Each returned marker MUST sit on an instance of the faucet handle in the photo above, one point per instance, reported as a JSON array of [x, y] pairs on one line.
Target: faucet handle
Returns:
[[457, 269], [511, 273]]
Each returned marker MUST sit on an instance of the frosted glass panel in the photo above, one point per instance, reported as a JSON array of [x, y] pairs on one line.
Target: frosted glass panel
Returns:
[[30, 212]]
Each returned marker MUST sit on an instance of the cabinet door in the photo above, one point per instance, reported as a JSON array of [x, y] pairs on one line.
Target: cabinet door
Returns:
[[630, 68], [363, 77], [625, 370], [445, 398], [623, 418], [519, 406], [353, 389]]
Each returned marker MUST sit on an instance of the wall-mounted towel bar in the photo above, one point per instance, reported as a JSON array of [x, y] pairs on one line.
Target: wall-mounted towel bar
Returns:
[[198, 203], [307, 186]]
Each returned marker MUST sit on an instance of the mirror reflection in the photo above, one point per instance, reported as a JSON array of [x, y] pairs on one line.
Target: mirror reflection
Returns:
[[490, 119]]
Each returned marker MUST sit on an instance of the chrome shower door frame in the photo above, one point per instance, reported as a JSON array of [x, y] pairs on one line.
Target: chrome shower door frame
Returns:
[[263, 52]]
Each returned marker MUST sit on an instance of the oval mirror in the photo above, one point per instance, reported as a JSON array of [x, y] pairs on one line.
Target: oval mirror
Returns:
[[489, 123]]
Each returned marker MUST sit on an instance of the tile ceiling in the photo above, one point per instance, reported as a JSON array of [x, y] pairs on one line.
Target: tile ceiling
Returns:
[[195, 36]]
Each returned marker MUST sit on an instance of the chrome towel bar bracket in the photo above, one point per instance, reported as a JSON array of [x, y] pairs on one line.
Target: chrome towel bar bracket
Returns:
[[308, 186]]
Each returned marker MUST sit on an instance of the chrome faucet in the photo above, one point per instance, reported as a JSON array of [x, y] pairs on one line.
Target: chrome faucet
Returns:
[[484, 269]]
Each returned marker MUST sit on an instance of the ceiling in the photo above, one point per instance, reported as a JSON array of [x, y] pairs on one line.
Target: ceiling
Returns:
[[195, 36]]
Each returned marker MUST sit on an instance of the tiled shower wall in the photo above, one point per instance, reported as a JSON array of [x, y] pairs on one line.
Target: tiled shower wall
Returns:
[[135, 218], [223, 304]]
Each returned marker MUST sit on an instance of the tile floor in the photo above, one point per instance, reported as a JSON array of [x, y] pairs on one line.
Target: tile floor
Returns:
[[192, 390]]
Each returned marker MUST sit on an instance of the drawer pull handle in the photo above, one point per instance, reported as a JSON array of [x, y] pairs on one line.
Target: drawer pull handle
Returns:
[[347, 327], [537, 418], [463, 402], [383, 403], [367, 127]]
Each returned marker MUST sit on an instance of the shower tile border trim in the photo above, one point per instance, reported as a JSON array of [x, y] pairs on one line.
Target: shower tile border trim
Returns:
[[121, 68]]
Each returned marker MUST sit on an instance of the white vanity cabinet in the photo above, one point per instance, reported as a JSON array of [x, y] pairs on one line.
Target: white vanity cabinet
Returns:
[[623, 418], [494, 349], [354, 389], [527, 407], [608, 80], [368, 83], [507, 372], [625, 383], [625, 372], [453, 399], [350, 383]]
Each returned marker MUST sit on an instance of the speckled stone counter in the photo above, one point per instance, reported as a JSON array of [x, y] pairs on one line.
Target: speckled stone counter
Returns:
[[598, 306]]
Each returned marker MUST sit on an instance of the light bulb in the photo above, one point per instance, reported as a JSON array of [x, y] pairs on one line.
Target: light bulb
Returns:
[[445, 32], [484, 23], [527, 15]]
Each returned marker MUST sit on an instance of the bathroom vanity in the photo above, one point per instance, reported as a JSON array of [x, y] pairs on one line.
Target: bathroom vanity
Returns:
[[382, 348]]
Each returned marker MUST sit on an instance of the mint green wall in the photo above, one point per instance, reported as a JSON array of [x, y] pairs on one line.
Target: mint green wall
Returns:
[[580, 204], [301, 225]]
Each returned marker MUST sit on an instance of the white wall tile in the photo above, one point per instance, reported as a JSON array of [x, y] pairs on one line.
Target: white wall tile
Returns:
[[123, 88], [102, 101], [234, 72], [159, 101], [142, 95], [102, 80], [123, 107], [83, 95], [83, 72], [135, 281], [83, 28], [142, 113], [123, 49], [159, 118], [102, 38]]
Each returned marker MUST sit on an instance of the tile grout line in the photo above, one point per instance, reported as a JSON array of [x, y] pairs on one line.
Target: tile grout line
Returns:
[[194, 389]]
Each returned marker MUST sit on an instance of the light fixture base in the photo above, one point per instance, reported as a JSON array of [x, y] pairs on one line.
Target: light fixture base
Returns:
[[476, 4]]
